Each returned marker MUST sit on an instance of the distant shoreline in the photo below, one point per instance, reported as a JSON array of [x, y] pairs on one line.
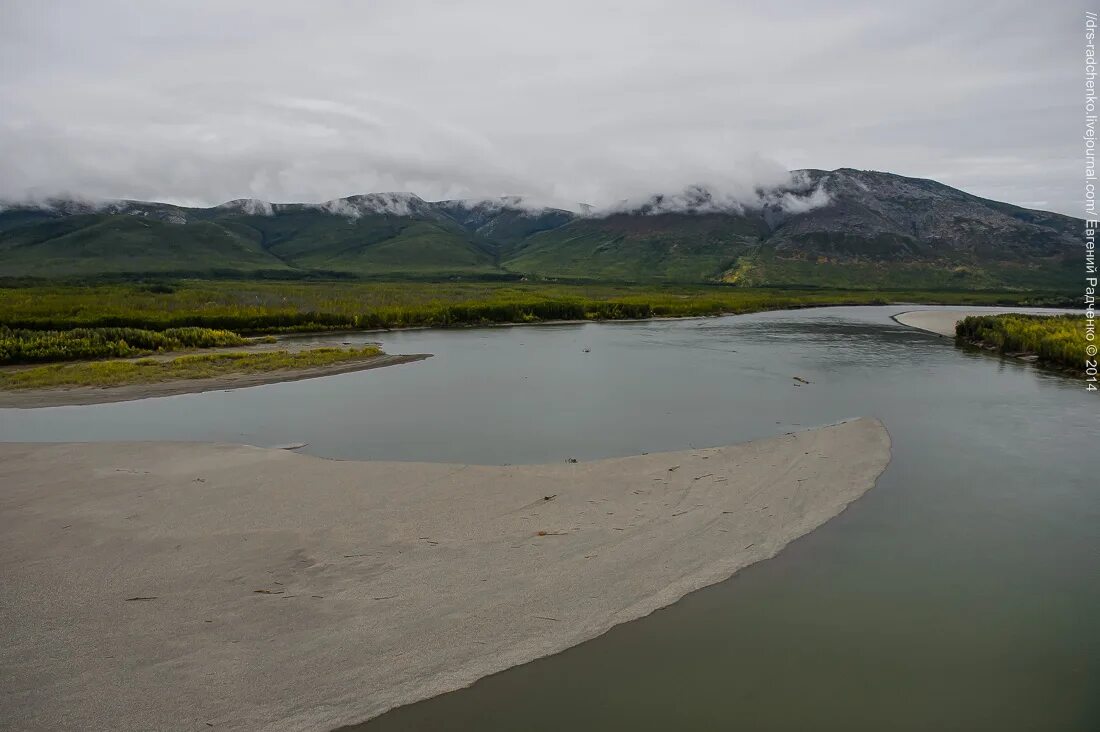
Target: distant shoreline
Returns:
[[83, 395], [287, 336]]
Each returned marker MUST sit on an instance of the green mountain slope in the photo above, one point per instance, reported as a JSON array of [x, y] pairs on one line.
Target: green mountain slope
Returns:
[[371, 244], [504, 222], [362, 236], [670, 247], [122, 244], [417, 247]]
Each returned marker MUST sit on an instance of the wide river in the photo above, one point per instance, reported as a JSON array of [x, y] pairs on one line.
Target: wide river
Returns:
[[961, 593]]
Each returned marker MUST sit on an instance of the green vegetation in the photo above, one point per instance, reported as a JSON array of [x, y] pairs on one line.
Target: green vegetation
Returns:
[[416, 247], [1058, 341], [764, 267], [36, 346], [96, 244], [68, 322], [301, 241], [624, 248], [148, 370], [263, 307]]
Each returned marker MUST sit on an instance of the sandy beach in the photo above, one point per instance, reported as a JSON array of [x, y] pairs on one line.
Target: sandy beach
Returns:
[[69, 396], [181, 585]]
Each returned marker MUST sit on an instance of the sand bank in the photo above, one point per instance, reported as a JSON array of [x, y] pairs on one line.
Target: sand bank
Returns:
[[942, 322], [176, 585], [67, 396]]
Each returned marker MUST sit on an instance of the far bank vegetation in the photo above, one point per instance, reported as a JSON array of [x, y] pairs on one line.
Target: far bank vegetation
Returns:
[[1056, 340]]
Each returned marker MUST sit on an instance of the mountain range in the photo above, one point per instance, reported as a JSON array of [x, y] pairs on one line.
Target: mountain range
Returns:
[[839, 228]]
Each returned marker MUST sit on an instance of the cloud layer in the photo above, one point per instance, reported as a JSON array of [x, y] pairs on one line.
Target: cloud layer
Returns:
[[563, 102]]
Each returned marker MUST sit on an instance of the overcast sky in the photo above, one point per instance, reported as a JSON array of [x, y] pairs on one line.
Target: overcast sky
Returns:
[[201, 101]]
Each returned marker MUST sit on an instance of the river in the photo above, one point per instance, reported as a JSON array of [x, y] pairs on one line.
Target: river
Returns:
[[962, 592]]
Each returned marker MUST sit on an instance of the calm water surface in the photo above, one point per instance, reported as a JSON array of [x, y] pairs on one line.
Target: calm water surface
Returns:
[[962, 593]]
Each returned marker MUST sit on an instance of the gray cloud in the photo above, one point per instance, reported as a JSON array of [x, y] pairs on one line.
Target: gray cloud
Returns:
[[206, 101]]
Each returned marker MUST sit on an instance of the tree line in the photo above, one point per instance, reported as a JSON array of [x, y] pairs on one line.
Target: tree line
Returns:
[[1058, 340], [21, 345]]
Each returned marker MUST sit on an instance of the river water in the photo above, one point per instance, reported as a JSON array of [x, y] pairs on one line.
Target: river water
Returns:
[[961, 593]]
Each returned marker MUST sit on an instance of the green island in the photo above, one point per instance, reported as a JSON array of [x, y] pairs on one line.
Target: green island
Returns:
[[200, 366], [1055, 340]]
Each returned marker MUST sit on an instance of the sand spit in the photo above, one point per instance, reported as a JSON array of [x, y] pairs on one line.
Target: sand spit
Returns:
[[180, 585], [942, 322], [75, 395]]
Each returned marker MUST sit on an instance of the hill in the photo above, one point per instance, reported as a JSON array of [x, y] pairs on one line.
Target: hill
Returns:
[[839, 228]]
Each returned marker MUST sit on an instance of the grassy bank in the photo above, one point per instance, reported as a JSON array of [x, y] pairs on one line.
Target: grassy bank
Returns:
[[268, 307], [148, 370], [1057, 341], [38, 346]]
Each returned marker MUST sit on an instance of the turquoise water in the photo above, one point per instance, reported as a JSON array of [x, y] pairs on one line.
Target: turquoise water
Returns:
[[962, 593]]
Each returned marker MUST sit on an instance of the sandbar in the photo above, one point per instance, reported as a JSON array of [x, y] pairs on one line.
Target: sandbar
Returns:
[[195, 585]]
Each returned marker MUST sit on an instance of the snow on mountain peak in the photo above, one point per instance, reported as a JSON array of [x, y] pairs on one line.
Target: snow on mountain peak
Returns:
[[798, 195], [395, 204], [521, 204], [251, 206]]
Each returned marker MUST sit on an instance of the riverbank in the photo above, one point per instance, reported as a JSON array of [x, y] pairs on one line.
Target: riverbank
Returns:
[[230, 574], [31, 398], [278, 307]]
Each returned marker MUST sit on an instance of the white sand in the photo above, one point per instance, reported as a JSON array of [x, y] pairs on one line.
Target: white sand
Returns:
[[390, 582]]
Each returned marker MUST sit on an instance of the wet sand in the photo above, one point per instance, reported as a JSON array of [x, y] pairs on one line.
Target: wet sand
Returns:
[[68, 396], [180, 585]]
